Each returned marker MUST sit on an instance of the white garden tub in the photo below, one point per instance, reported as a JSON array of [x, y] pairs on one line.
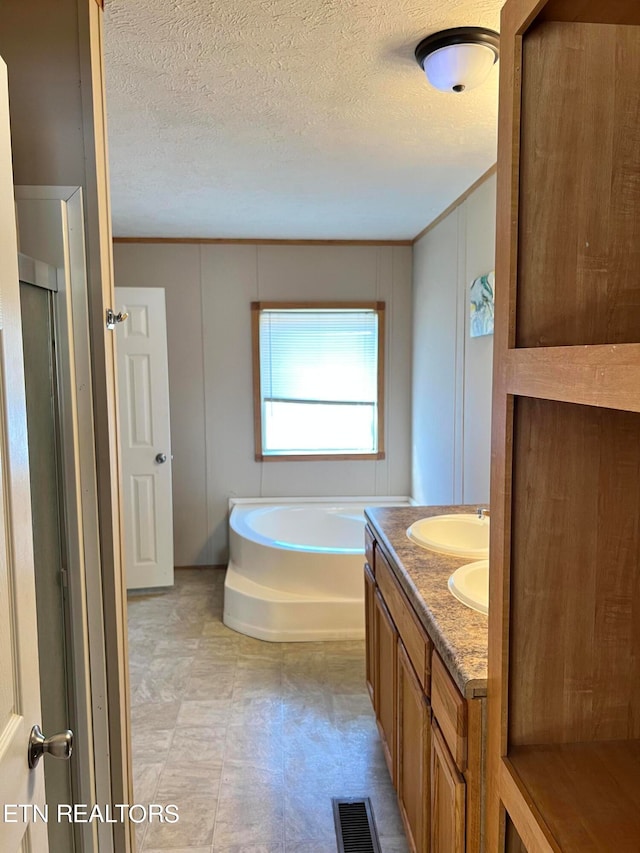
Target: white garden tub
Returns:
[[296, 569]]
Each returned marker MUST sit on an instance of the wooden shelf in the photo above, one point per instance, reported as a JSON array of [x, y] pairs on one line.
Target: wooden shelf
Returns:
[[583, 797], [606, 376], [564, 633]]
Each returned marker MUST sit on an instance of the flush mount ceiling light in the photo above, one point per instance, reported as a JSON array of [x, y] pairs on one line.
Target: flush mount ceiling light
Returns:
[[458, 59]]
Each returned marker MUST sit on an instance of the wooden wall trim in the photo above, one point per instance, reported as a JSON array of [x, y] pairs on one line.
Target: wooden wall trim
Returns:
[[260, 242], [465, 195]]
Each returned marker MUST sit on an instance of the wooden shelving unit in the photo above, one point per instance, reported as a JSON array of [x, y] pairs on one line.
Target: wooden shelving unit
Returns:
[[564, 620], [586, 796]]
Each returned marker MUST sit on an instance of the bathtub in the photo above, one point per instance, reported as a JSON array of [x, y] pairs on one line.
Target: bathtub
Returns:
[[295, 568]]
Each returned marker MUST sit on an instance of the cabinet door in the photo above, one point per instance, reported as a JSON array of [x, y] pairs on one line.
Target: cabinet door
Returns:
[[447, 798], [385, 681], [414, 736], [369, 598]]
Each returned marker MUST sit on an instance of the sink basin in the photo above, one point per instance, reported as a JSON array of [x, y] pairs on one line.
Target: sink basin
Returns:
[[462, 535], [470, 585]]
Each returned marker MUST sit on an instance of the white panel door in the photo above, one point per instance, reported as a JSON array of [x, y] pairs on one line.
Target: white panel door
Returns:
[[145, 438], [19, 678]]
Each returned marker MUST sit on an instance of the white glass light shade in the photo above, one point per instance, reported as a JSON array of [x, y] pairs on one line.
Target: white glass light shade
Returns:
[[459, 67]]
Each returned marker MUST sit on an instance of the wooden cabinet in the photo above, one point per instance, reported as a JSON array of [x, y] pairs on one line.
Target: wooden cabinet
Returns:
[[450, 709], [385, 681], [416, 642], [564, 645], [369, 616], [448, 798], [414, 754], [369, 549], [439, 785]]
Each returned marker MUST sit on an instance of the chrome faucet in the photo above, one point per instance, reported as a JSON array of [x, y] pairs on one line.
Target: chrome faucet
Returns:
[[481, 512]]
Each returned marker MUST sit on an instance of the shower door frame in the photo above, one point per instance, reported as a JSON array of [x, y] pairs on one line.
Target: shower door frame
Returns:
[[87, 667]]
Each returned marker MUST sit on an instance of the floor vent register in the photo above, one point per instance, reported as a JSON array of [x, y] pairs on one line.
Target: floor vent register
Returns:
[[355, 826]]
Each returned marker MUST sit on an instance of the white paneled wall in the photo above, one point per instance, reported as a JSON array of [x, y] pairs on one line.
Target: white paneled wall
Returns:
[[435, 429], [480, 241], [209, 288], [451, 384]]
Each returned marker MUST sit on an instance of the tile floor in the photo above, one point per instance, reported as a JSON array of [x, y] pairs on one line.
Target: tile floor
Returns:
[[250, 739]]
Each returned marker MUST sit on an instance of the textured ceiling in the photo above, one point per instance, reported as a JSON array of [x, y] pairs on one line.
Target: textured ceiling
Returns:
[[288, 118]]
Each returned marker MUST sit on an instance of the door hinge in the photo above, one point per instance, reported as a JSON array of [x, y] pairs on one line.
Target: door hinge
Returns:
[[64, 577]]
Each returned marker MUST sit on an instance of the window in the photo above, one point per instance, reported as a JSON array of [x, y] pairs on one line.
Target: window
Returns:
[[318, 380]]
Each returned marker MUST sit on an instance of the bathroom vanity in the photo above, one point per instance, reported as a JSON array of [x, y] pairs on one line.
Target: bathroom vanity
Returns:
[[427, 678]]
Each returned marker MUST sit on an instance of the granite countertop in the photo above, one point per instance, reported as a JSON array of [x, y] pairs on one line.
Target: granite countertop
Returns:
[[459, 634]]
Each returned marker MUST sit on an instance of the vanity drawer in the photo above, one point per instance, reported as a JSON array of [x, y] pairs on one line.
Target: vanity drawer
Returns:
[[450, 710], [414, 638], [369, 545]]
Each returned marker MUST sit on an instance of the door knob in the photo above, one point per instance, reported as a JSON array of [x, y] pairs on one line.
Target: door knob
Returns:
[[161, 458], [59, 745]]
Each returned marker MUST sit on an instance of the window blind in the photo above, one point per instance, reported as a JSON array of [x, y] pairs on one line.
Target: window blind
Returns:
[[319, 380]]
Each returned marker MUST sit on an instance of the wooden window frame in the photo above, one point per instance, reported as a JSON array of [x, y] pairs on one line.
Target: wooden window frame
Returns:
[[256, 308]]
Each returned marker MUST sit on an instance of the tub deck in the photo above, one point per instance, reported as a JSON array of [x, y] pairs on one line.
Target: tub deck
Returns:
[[279, 616]]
